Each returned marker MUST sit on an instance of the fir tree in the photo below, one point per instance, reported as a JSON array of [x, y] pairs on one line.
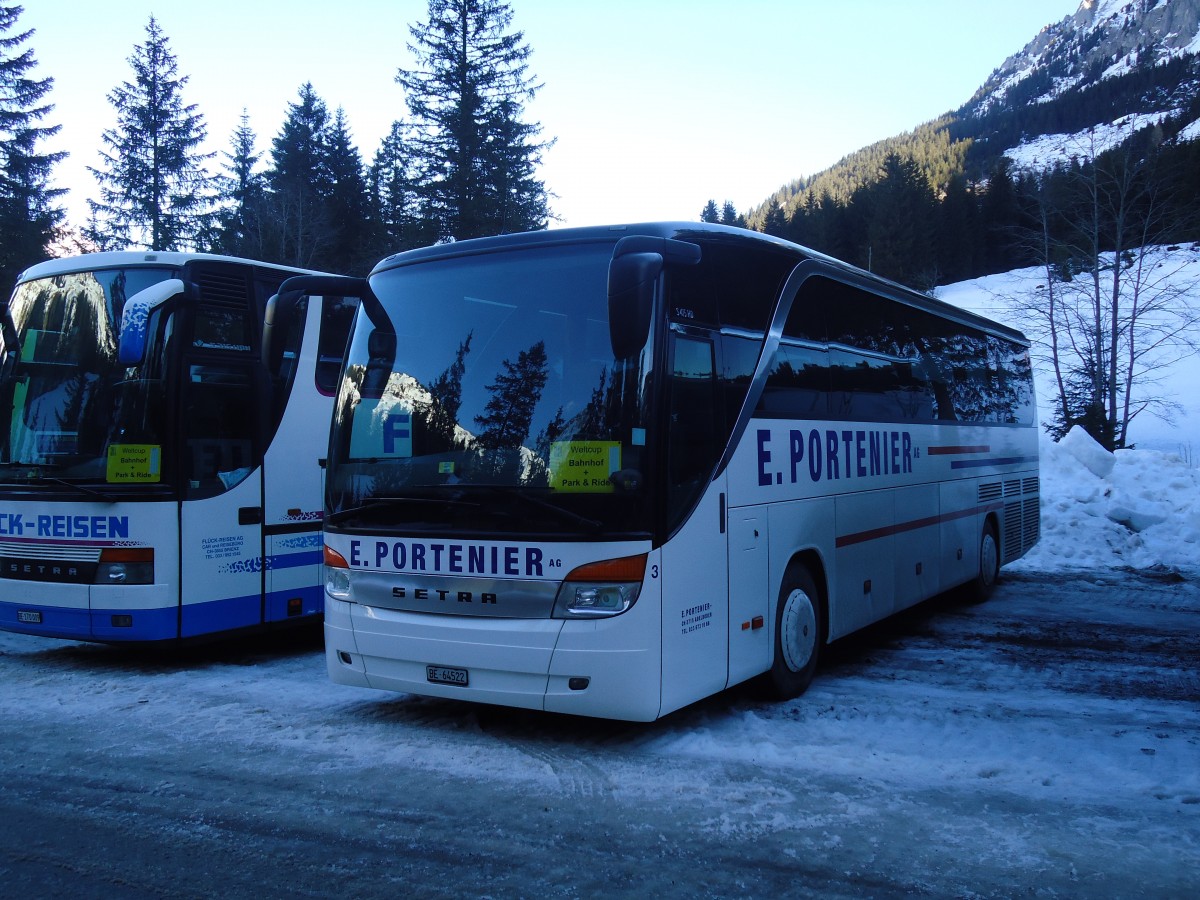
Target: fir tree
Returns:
[[710, 213], [730, 216], [475, 156], [242, 189], [153, 186], [348, 210], [898, 211], [299, 183], [775, 222], [29, 219], [400, 211]]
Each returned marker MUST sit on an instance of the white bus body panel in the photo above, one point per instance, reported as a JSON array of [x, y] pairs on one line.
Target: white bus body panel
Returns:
[[894, 512], [695, 613], [521, 662], [222, 561]]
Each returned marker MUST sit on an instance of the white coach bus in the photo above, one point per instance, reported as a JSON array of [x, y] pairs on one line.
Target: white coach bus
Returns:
[[155, 483], [611, 471]]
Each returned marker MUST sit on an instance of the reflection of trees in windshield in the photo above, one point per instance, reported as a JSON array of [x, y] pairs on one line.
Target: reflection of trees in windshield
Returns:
[[501, 448], [440, 416], [508, 415], [515, 394], [60, 400]]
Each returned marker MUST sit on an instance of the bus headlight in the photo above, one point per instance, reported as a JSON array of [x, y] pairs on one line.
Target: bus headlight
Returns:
[[606, 588], [125, 565], [337, 575]]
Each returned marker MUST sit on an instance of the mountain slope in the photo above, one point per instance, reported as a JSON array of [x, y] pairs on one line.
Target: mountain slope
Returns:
[[1134, 63]]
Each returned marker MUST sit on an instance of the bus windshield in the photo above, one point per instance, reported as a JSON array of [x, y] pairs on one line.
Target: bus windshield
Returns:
[[70, 398], [492, 402]]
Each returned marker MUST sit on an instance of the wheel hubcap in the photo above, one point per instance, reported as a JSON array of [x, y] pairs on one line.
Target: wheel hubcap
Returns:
[[988, 556], [798, 630]]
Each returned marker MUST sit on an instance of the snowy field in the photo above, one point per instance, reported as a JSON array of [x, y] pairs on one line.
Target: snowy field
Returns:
[[1046, 743]]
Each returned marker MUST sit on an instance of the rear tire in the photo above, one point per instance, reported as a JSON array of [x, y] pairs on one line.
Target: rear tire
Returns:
[[984, 583], [799, 634]]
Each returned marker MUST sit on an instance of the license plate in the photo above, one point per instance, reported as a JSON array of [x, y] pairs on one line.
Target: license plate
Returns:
[[29, 616], [446, 675]]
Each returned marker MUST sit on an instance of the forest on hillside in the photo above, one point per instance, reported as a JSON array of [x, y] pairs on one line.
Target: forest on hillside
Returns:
[[942, 203]]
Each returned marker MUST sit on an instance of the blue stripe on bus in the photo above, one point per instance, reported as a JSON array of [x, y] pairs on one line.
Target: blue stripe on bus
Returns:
[[294, 560], [91, 625], [160, 624]]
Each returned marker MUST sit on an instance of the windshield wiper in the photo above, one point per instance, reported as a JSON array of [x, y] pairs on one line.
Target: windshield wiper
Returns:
[[386, 502], [524, 495], [35, 474]]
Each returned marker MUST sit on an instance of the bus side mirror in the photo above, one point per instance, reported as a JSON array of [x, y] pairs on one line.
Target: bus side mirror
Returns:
[[631, 280], [278, 320], [637, 262], [280, 315], [131, 350], [10, 347]]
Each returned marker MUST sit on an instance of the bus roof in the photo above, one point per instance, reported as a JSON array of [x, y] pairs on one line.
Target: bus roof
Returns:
[[118, 259], [698, 232]]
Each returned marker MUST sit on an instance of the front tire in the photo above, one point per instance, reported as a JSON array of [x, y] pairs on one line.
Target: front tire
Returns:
[[799, 635]]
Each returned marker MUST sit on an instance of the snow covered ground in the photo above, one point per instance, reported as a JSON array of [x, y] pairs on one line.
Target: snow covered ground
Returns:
[[1044, 743]]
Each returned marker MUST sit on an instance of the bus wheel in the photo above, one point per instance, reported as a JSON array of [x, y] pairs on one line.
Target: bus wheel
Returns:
[[798, 635], [984, 584]]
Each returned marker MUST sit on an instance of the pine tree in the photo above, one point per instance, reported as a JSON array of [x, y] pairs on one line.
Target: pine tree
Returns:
[[775, 222], [349, 212], [299, 183], [898, 211], [475, 156], [400, 211], [710, 213], [29, 219], [153, 185], [242, 189]]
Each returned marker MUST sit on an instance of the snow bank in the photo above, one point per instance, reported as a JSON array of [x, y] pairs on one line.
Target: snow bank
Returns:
[[1133, 508]]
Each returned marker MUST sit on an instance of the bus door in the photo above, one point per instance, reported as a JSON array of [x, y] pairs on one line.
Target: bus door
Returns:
[[292, 474], [696, 579], [221, 533]]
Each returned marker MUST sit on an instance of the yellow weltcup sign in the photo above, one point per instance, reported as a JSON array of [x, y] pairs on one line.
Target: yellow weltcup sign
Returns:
[[134, 463], [584, 467]]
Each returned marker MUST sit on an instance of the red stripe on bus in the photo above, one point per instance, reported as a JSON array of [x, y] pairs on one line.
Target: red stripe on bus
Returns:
[[962, 448], [874, 534]]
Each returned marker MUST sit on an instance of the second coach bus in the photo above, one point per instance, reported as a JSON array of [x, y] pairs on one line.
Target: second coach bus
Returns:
[[611, 471], [155, 483]]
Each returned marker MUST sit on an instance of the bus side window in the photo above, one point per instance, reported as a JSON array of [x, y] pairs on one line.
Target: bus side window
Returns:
[[797, 383], [337, 315]]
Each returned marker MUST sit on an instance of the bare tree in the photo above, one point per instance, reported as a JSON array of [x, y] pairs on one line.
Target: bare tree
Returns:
[[1113, 309]]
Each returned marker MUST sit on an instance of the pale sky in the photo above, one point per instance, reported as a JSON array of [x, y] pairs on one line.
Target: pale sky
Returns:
[[655, 106]]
